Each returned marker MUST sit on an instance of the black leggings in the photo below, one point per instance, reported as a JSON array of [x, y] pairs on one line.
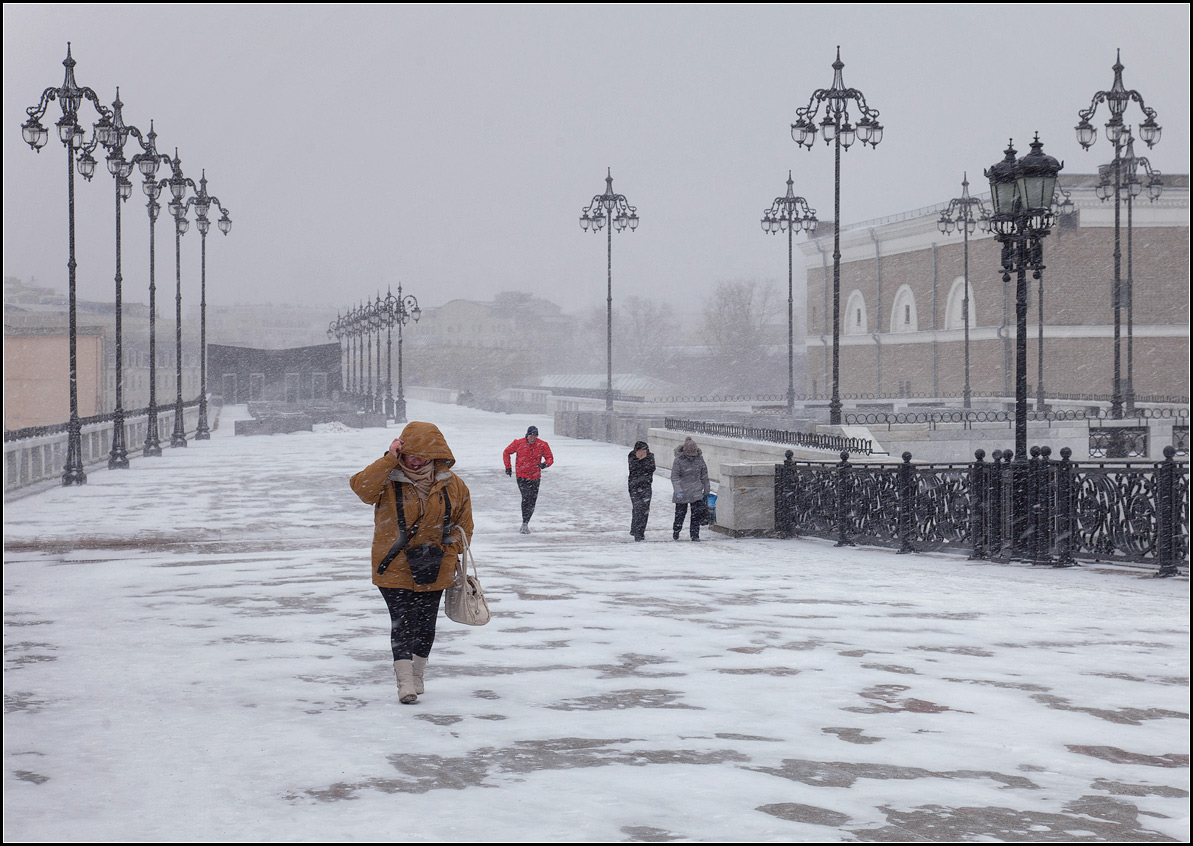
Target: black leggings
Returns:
[[699, 514], [530, 495], [412, 616]]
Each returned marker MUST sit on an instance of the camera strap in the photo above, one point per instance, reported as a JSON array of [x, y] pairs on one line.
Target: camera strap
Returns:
[[404, 536]]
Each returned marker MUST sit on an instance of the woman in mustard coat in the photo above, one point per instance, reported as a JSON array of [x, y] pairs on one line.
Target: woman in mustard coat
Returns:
[[415, 551]]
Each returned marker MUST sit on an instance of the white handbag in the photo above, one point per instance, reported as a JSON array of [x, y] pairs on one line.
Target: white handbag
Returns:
[[464, 601]]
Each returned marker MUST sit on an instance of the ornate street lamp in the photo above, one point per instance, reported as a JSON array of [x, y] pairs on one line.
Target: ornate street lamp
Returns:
[[388, 316], [70, 97], [148, 161], [837, 129], [611, 210], [112, 132], [178, 184], [1022, 192], [965, 213], [790, 214], [1117, 99], [202, 201], [402, 310], [1129, 176]]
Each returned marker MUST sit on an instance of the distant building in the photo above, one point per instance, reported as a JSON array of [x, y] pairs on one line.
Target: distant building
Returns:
[[482, 347], [37, 357], [902, 288], [245, 374]]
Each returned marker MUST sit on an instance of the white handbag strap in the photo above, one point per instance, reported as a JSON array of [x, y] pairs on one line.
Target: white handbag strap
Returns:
[[466, 557]]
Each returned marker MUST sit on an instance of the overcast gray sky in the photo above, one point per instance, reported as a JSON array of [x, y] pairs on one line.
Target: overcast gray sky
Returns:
[[452, 147]]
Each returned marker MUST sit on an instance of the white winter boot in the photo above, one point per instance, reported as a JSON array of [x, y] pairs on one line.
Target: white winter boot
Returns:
[[420, 664], [404, 670]]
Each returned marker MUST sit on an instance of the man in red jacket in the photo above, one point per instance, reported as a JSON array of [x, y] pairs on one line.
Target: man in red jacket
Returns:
[[533, 457]]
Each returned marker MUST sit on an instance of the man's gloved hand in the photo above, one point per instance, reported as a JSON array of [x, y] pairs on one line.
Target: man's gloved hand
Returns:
[[509, 471], [543, 466]]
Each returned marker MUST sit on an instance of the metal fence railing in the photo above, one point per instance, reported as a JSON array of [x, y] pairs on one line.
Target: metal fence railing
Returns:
[[811, 440], [1045, 511]]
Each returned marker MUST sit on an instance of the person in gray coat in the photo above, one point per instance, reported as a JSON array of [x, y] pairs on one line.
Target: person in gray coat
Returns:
[[689, 479]]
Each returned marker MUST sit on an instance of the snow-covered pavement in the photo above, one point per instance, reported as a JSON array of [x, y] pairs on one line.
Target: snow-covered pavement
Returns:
[[193, 651]]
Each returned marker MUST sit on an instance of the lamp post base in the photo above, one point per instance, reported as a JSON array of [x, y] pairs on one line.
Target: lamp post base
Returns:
[[178, 438], [202, 432], [72, 473], [118, 456]]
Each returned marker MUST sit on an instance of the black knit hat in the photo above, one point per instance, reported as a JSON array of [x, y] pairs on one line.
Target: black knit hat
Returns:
[[641, 445], [533, 430]]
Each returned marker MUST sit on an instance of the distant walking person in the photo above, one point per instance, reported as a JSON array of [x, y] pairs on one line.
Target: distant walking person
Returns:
[[533, 456], [689, 478], [642, 469]]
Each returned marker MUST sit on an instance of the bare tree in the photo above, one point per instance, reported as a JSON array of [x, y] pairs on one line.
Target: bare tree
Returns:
[[739, 330]]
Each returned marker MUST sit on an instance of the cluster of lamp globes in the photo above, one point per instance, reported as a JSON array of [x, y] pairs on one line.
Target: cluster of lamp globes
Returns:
[[868, 130], [112, 138], [626, 217], [370, 317]]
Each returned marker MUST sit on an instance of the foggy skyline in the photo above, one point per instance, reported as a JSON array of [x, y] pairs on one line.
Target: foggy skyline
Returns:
[[452, 148]]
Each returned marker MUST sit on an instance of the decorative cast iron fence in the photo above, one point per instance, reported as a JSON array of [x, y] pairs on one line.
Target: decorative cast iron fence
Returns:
[[61, 428], [771, 436], [1043, 511]]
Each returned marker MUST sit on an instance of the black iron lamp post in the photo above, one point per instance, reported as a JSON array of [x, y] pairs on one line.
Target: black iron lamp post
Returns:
[[112, 133], [1022, 193], [1129, 180], [368, 327], [402, 309], [965, 213], [178, 183], [790, 214], [837, 129], [202, 201], [1117, 99], [148, 163], [612, 210], [388, 307], [70, 97]]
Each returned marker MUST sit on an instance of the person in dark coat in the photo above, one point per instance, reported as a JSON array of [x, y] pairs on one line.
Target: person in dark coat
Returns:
[[689, 478], [642, 469]]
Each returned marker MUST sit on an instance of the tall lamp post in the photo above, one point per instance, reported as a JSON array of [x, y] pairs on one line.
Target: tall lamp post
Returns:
[[790, 214], [178, 183], [1021, 192], [1117, 99], [611, 210], [965, 213], [70, 97], [837, 129], [202, 202], [112, 133], [148, 161], [1128, 176], [402, 310]]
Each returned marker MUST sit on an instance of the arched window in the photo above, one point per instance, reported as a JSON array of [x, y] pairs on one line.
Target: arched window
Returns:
[[853, 319], [903, 314], [954, 317]]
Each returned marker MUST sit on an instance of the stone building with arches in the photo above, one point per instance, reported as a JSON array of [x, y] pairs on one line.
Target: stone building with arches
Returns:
[[903, 297]]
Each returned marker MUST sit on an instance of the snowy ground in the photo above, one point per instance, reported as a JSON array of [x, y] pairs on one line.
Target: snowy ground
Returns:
[[193, 651]]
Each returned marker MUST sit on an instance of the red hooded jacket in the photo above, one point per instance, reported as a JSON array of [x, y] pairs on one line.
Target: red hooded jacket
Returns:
[[530, 456]]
